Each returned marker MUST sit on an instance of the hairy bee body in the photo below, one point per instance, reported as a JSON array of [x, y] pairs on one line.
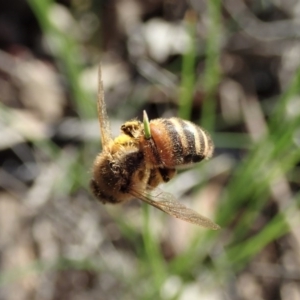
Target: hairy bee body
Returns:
[[117, 176], [144, 155], [174, 142], [121, 168], [116, 169]]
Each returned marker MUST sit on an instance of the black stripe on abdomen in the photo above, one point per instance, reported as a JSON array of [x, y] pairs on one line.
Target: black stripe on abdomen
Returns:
[[176, 147], [192, 155]]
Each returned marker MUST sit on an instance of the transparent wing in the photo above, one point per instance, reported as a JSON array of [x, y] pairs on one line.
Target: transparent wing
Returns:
[[169, 204], [102, 113]]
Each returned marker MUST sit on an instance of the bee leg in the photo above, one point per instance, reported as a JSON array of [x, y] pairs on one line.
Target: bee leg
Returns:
[[167, 173], [160, 175], [132, 128]]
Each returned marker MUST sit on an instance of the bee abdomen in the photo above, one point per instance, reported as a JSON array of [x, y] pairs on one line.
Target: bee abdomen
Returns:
[[180, 142]]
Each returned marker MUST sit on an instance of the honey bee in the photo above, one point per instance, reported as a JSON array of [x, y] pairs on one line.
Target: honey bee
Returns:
[[144, 155]]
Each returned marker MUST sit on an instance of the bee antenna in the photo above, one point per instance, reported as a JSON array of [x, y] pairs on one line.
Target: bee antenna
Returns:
[[146, 125]]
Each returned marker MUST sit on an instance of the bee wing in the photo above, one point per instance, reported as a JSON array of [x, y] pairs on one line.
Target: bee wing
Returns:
[[102, 113], [167, 203]]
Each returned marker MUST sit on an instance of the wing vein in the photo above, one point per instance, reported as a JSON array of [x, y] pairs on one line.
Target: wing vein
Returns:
[[169, 204], [102, 113]]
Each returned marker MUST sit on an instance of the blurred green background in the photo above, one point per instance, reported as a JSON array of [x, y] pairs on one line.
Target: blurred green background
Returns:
[[230, 66]]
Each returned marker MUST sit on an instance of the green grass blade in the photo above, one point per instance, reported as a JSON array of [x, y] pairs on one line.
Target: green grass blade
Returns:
[[188, 69], [212, 65]]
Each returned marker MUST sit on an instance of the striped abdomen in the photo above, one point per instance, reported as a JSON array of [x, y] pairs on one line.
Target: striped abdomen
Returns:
[[179, 142]]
